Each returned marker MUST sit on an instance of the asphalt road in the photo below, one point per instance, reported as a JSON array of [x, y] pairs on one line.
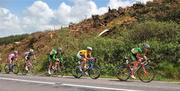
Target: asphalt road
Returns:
[[10, 82]]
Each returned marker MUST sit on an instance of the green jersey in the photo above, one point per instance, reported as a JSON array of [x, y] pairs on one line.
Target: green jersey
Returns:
[[134, 51], [59, 56], [55, 55]]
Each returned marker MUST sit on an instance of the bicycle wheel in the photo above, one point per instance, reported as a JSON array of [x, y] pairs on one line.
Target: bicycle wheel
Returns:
[[6, 69], [24, 71], [59, 71], [15, 69], [146, 75], [94, 72], [76, 72], [123, 73]]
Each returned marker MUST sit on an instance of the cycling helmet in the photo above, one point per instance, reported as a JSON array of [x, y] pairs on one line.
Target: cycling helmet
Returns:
[[59, 49], [89, 48], [31, 50], [15, 52], [146, 45]]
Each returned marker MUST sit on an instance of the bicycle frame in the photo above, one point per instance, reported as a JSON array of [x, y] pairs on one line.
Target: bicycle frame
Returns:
[[12, 65], [90, 63], [140, 64]]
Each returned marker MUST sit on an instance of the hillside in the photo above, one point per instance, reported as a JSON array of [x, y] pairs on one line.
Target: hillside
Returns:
[[157, 23]]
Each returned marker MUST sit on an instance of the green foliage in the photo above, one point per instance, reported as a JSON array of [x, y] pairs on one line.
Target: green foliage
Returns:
[[12, 39], [168, 70], [152, 30]]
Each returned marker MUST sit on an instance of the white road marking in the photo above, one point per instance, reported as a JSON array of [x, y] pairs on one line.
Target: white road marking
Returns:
[[71, 85], [28, 81], [95, 87]]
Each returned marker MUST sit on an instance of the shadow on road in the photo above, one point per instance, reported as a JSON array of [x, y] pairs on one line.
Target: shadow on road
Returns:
[[69, 77], [121, 81]]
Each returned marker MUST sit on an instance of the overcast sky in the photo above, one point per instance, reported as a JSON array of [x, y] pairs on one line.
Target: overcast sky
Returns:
[[27, 16]]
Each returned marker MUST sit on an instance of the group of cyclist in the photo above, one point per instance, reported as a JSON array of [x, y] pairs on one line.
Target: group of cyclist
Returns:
[[28, 55], [55, 57]]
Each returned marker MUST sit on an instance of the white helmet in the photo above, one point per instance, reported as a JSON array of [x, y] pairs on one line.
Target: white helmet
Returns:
[[59, 49], [31, 50], [146, 45], [89, 48], [15, 52]]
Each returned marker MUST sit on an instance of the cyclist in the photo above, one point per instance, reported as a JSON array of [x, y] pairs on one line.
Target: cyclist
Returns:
[[12, 57], [28, 58], [55, 58], [137, 55], [84, 56]]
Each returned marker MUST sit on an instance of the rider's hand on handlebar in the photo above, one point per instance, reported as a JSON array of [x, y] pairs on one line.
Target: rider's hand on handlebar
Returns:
[[57, 59], [145, 58]]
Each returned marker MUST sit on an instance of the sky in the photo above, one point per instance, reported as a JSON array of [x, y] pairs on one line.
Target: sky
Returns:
[[27, 16]]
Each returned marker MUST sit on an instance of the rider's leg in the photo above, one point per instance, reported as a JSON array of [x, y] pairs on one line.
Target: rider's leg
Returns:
[[80, 62], [26, 64], [138, 60], [132, 69], [56, 65], [83, 63], [139, 57], [49, 67], [9, 63]]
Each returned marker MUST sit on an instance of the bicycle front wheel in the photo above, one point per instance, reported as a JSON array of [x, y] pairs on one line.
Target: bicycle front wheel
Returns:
[[77, 73], [146, 74], [24, 71], [15, 69], [123, 73], [60, 71], [94, 72]]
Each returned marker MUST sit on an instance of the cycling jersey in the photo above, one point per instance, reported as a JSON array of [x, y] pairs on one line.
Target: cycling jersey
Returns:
[[28, 55], [59, 56], [83, 54], [134, 52], [53, 55], [12, 57]]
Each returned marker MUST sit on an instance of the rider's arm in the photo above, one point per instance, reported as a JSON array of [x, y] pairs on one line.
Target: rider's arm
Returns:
[[85, 55], [145, 58], [34, 56], [54, 57], [61, 57]]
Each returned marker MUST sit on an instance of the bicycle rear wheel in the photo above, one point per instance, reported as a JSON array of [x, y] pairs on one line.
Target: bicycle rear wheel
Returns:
[[94, 72], [77, 73], [123, 73], [146, 75], [6, 68]]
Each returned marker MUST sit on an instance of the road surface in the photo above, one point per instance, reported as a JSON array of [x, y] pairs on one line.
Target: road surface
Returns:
[[10, 82]]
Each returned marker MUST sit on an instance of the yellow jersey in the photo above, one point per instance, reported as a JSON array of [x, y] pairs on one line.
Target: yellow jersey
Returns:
[[85, 53]]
